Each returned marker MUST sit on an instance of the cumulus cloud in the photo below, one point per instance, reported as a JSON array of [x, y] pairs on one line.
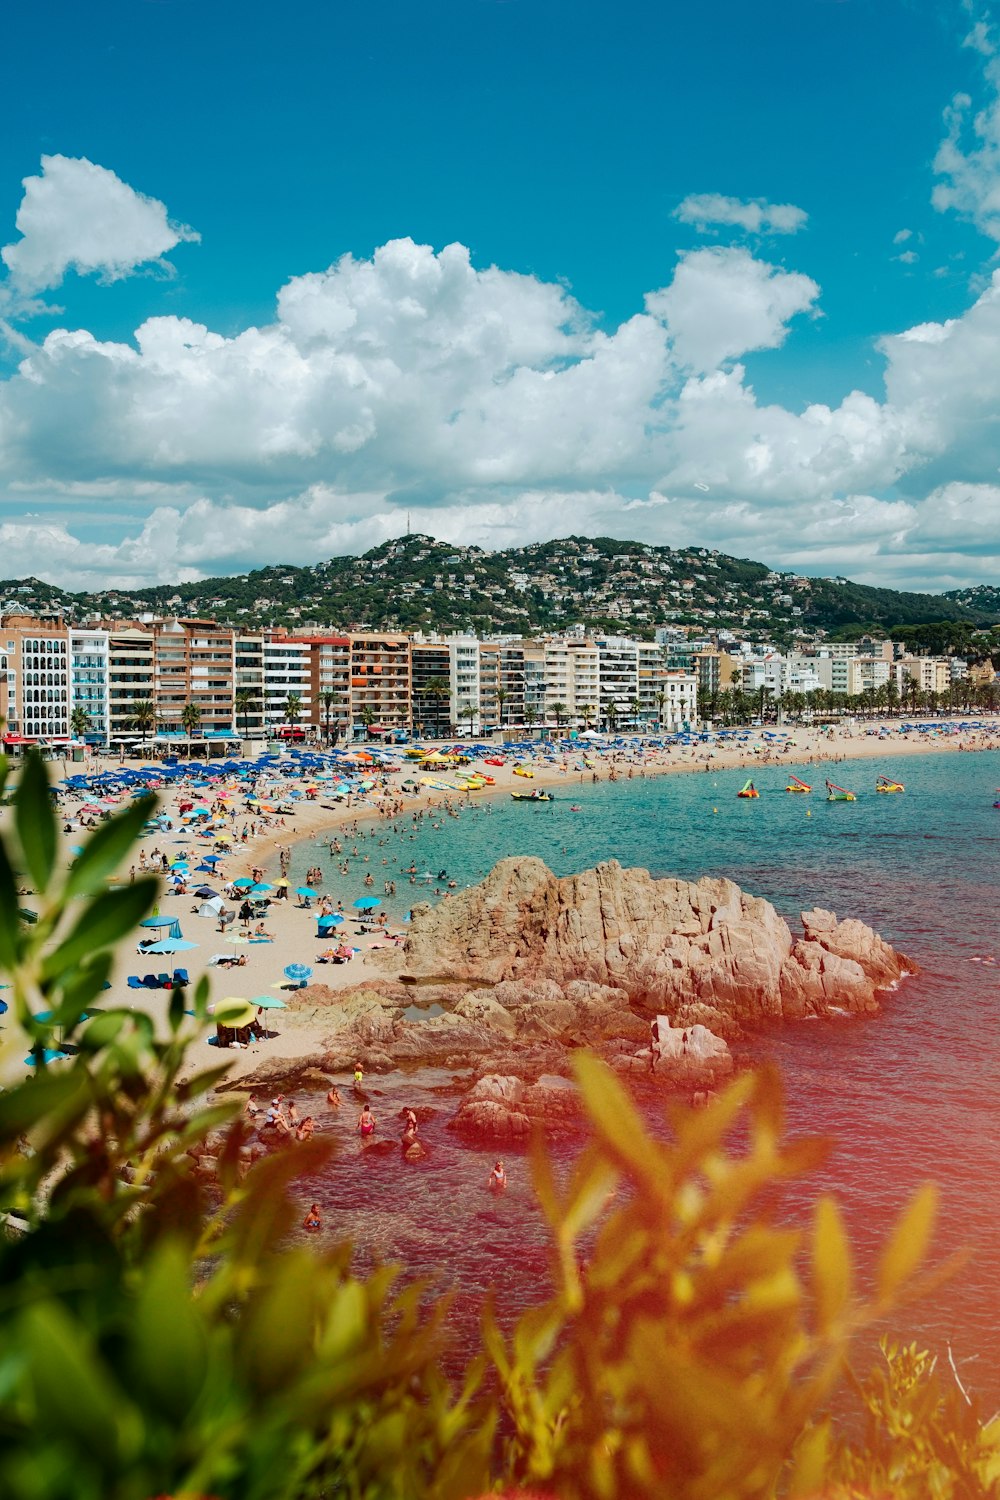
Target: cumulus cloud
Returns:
[[491, 407], [755, 215], [723, 303], [80, 216], [968, 159]]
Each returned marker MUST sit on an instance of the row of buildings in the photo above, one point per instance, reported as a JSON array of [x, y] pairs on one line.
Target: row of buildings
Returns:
[[167, 678], [117, 681]]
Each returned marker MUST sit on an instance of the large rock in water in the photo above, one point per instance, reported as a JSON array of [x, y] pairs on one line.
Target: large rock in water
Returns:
[[698, 952]]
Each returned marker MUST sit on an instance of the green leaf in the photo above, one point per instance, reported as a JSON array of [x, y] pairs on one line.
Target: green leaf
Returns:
[[616, 1119], [169, 1343], [106, 919], [106, 848], [907, 1244], [35, 821], [10, 926], [22, 1107], [831, 1264], [74, 1392]]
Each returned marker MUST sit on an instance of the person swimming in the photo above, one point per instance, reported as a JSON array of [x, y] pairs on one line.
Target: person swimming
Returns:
[[366, 1122], [312, 1219], [498, 1178]]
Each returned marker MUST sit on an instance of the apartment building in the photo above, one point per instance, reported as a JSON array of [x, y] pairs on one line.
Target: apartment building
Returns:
[[193, 664], [330, 684], [501, 684], [572, 678], [130, 680], [381, 681], [38, 705], [431, 687], [463, 659], [89, 682], [286, 673], [248, 685], [618, 680], [931, 674]]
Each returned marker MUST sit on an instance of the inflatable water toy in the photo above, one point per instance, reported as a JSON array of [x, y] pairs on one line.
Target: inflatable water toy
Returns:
[[796, 785], [748, 791], [836, 793], [523, 771], [885, 784]]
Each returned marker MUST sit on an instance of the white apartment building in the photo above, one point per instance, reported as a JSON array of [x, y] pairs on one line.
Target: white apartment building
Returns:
[[618, 680], [285, 664], [572, 677], [680, 700], [89, 681], [868, 674], [463, 651]]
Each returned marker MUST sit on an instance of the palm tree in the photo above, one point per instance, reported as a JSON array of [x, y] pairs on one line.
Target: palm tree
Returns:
[[325, 699], [367, 718], [293, 707], [530, 715], [611, 716], [559, 711], [635, 708], [438, 689], [242, 704], [587, 710], [80, 723], [468, 711], [190, 718], [143, 716], [500, 696], [661, 698]]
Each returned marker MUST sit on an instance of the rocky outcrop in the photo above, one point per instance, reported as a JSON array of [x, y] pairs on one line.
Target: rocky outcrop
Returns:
[[577, 957], [502, 1108]]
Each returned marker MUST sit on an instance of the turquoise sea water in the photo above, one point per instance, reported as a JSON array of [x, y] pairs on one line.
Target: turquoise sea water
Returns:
[[911, 1094]]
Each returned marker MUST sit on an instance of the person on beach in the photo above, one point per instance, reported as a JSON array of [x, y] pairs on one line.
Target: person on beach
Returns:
[[333, 1098], [409, 1126], [304, 1131], [366, 1122], [359, 1076], [312, 1219], [498, 1178]]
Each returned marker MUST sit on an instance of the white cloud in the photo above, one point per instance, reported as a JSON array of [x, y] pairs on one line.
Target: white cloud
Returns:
[[968, 159], [724, 303], [755, 215], [491, 407], [80, 216]]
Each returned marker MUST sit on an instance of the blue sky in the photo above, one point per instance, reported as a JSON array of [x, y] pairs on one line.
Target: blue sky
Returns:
[[699, 242]]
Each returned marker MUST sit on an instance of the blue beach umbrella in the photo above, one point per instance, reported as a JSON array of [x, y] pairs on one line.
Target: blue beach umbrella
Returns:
[[171, 945], [297, 971], [303, 890], [49, 1054], [365, 903], [243, 884], [260, 888]]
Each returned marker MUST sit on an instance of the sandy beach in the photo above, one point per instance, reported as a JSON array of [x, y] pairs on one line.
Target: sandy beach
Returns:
[[245, 839]]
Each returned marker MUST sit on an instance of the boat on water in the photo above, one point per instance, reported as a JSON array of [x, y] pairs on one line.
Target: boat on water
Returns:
[[535, 796], [835, 793], [795, 784], [886, 784], [749, 790]]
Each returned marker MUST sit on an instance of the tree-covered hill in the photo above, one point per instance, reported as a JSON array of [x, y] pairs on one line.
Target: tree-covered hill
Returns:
[[416, 583]]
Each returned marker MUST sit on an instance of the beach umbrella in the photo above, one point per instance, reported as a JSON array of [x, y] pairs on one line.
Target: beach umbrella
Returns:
[[49, 1054], [269, 1002], [171, 945], [260, 887], [281, 882], [303, 890], [297, 971], [234, 1011], [243, 883], [206, 893], [237, 939], [365, 903]]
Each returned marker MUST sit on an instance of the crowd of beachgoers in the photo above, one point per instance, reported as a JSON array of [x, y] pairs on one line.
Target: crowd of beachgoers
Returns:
[[221, 836]]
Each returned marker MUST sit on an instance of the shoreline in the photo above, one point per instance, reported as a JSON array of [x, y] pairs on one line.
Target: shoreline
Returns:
[[292, 926]]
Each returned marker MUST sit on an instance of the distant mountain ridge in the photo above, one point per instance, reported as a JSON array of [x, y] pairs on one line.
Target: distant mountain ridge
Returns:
[[417, 583]]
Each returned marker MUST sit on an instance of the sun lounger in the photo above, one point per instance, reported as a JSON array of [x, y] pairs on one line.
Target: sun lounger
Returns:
[[134, 982], [181, 978], [150, 982]]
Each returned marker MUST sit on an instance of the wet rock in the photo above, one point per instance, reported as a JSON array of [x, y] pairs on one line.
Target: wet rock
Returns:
[[702, 953], [415, 1152]]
